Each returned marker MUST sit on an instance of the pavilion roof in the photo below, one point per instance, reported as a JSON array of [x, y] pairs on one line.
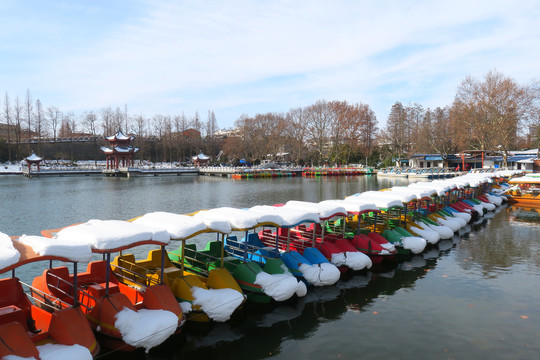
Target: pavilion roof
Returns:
[[34, 157], [119, 136]]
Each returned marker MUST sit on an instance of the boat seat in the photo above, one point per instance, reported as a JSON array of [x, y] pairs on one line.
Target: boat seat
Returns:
[[12, 313], [98, 290]]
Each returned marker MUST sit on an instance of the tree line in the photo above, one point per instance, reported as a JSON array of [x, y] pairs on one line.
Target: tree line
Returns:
[[494, 113], [30, 126]]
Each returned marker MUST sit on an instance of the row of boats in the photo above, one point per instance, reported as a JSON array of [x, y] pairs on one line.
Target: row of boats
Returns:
[[224, 257], [421, 173]]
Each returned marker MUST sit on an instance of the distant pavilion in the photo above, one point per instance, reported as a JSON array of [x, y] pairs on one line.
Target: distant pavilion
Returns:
[[120, 152], [33, 159], [201, 159]]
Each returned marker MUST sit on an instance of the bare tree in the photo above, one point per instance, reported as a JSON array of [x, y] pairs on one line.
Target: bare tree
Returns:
[[119, 120], [140, 124], [318, 122], [489, 113], [107, 121], [54, 119], [90, 125], [437, 131], [396, 132], [39, 122], [296, 135], [17, 110], [28, 109], [7, 116]]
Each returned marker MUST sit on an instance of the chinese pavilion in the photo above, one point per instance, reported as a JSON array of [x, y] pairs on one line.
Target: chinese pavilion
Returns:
[[201, 159], [33, 159], [120, 152]]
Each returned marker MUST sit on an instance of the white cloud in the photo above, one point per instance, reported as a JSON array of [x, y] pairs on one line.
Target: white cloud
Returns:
[[245, 56]]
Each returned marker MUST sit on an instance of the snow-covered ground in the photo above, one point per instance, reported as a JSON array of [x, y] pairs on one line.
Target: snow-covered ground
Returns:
[[10, 168], [7, 168]]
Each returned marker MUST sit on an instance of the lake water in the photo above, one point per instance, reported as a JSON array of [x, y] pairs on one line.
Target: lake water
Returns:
[[475, 297]]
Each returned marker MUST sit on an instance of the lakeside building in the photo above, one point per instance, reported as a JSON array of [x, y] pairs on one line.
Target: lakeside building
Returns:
[[477, 159]]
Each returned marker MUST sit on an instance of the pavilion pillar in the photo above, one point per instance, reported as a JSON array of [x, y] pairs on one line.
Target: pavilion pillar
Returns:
[[482, 159]]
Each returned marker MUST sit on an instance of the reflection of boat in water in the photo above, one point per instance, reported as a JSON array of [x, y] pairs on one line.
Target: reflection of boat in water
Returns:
[[524, 213]]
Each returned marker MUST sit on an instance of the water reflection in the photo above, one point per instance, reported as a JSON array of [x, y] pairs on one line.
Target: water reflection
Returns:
[[469, 297], [501, 244]]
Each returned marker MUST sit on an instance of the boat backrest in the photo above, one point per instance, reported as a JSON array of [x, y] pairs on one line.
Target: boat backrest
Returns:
[[96, 272], [154, 257], [214, 248], [13, 294], [283, 232], [265, 233], [59, 283], [253, 239]]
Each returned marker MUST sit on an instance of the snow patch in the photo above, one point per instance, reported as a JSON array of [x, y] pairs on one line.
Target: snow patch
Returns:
[[431, 236], [57, 247], [387, 246], [414, 243], [8, 254], [63, 352], [463, 215], [145, 328], [488, 206], [186, 307], [279, 287], [444, 231], [111, 234], [354, 260], [454, 226], [218, 304], [301, 289], [320, 274]]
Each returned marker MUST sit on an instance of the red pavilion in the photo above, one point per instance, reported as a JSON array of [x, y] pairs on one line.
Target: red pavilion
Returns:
[[120, 152]]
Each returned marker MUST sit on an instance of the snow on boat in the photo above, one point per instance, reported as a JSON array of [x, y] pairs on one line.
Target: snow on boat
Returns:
[[336, 249], [28, 330], [305, 262], [359, 230], [272, 283], [123, 316], [215, 297], [391, 220]]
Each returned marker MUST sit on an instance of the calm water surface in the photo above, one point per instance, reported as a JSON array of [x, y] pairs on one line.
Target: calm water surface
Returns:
[[474, 297]]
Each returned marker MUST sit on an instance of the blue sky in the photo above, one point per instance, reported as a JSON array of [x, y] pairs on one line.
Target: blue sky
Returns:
[[249, 57]]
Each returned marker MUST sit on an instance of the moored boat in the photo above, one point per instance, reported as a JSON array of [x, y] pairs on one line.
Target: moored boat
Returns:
[[259, 284], [214, 297], [27, 329], [524, 190], [124, 317]]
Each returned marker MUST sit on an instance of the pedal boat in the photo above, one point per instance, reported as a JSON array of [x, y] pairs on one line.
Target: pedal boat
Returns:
[[336, 249], [305, 262], [203, 299], [257, 284], [122, 316], [27, 329], [363, 238]]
